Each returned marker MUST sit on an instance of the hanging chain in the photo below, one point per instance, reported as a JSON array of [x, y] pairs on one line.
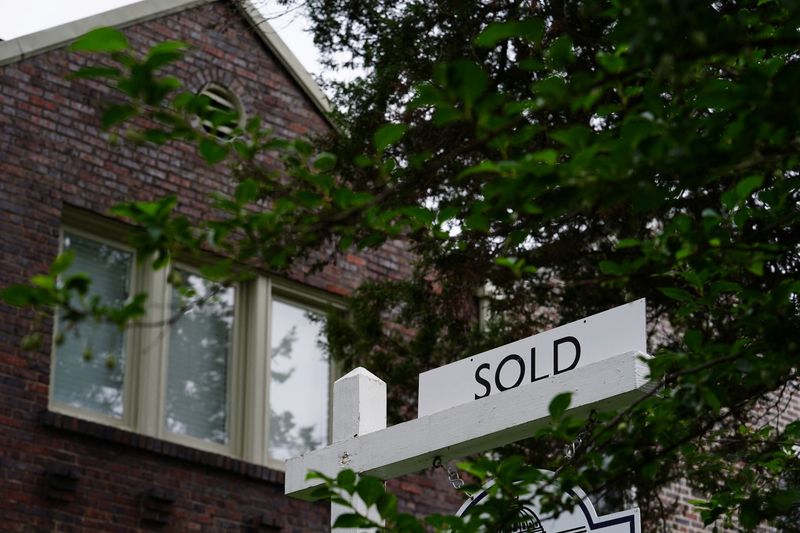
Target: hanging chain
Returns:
[[571, 449], [452, 473]]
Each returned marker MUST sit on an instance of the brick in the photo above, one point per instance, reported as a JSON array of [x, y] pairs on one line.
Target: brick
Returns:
[[52, 153]]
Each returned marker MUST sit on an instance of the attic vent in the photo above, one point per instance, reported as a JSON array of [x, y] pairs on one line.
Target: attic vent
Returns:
[[224, 113]]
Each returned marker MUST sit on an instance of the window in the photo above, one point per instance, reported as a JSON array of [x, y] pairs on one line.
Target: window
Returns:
[[298, 400], [198, 359], [90, 363], [199, 369], [224, 112]]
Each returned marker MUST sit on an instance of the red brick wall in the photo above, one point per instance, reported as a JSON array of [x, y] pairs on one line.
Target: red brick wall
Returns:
[[52, 154]]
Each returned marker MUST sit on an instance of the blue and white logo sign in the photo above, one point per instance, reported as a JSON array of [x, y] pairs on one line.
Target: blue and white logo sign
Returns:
[[582, 518]]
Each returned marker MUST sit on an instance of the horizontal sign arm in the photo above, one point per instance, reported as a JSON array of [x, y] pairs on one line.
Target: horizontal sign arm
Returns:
[[481, 425]]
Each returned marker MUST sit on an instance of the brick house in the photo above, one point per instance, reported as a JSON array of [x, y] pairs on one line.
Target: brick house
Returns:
[[129, 435], [181, 427]]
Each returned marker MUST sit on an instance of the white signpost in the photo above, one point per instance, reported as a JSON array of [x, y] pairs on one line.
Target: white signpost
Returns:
[[482, 402]]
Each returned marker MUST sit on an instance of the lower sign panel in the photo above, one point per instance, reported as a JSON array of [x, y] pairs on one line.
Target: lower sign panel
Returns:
[[582, 518]]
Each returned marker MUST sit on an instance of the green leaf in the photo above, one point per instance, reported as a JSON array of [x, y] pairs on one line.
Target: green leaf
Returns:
[[117, 114], [481, 168], [185, 100], [446, 213], [212, 151], [756, 267], [324, 161], [725, 286], [387, 135], [552, 89], [560, 52], [711, 399], [612, 268], [558, 405], [530, 30], [370, 489], [693, 339], [612, 63], [101, 40], [575, 137], [350, 520], [156, 136], [32, 341], [346, 479], [548, 157], [387, 504], [246, 192], [748, 185], [676, 294], [79, 283], [18, 295], [44, 281], [467, 80], [419, 214], [62, 262], [155, 61], [218, 270], [628, 243], [308, 199], [477, 222], [168, 47]]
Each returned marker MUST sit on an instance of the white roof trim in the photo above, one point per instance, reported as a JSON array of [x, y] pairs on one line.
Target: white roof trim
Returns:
[[44, 40], [26, 46]]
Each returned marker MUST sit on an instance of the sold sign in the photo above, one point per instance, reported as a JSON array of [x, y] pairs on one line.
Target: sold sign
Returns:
[[528, 361]]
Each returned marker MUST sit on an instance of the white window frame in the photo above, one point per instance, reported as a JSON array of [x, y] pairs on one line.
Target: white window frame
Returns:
[[147, 348]]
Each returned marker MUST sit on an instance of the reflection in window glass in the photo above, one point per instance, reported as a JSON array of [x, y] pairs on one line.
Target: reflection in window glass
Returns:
[[298, 393], [199, 347], [90, 363]]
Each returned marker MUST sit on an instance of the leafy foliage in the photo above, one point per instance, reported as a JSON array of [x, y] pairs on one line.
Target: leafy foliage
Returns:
[[563, 158], [586, 154]]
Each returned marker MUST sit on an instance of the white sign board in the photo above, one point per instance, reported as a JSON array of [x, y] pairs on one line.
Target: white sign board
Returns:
[[534, 359], [582, 518]]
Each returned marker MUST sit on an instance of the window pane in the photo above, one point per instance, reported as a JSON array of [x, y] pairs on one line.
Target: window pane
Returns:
[[90, 363], [298, 393], [199, 348]]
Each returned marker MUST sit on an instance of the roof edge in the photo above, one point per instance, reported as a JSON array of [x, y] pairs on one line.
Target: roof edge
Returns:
[[32, 44], [286, 57], [38, 42]]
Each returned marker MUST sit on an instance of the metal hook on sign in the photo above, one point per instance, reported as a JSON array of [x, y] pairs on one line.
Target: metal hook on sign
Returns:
[[571, 449], [452, 474], [454, 478]]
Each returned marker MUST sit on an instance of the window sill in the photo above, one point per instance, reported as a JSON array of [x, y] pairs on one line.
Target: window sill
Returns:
[[161, 447]]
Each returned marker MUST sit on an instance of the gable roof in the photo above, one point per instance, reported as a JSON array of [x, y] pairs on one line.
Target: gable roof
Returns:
[[29, 45]]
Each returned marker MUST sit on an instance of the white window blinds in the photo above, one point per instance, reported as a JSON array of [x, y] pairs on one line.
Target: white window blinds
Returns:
[[196, 401], [90, 363]]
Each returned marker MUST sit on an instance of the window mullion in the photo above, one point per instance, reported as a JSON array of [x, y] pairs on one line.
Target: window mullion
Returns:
[[151, 338], [254, 372]]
